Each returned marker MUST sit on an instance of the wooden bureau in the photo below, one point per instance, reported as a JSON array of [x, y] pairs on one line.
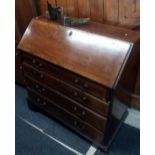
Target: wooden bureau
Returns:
[[76, 74]]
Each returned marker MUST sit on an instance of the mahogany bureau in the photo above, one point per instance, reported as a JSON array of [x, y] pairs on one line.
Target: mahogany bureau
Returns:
[[75, 75]]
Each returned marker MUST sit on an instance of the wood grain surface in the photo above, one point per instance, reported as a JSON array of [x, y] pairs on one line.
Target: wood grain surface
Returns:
[[111, 11], [121, 12], [72, 8], [97, 13], [101, 55]]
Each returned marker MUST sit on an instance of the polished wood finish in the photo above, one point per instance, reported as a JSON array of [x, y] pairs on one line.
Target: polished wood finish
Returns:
[[68, 77], [127, 90], [24, 11], [93, 54], [136, 95], [74, 93], [66, 117], [76, 74], [73, 107]]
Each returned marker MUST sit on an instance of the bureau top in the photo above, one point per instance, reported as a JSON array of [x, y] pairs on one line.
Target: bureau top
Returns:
[[95, 51]]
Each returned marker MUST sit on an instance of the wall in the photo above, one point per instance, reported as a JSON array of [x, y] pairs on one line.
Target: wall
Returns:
[[124, 12], [24, 11]]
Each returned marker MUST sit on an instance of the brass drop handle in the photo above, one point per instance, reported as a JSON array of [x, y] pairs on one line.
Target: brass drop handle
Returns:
[[75, 123], [38, 99], [83, 113], [80, 114], [44, 103], [84, 98], [37, 86], [76, 94], [43, 89], [34, 73], [76, 81], [17, 53], [78, 126], [21, 67], [75, 108], [34, 61], [82, 127], [86, 85], [41, 76], [55, 70], [40, 65]]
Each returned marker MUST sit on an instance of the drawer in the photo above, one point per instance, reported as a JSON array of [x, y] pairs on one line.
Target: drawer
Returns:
[[83, 98], [68, 76], [19, 77], [73, 107], [19, 67], [66, 117], [18, 56]]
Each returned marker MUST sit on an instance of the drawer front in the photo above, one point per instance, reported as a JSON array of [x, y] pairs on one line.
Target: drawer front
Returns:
[[67, 76], [73, 107], [18, 57], [19, 67], [85, 99], [66, 117]]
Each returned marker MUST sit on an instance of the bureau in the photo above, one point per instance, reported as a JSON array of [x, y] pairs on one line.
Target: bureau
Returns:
[[76, 75]]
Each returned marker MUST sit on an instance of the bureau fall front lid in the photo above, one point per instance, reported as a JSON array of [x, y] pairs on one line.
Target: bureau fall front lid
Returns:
[[96, 54]]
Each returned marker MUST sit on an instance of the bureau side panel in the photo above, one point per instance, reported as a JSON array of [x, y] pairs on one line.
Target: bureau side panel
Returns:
[[126, 85], [116, 117]]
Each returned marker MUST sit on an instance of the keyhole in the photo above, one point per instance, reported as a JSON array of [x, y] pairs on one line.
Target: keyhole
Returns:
[[70, 33]]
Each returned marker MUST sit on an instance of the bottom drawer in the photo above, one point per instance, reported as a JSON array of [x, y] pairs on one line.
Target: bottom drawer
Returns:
[[67, 118]]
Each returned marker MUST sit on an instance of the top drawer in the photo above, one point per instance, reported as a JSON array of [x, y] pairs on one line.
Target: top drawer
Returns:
[[67, 76]]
